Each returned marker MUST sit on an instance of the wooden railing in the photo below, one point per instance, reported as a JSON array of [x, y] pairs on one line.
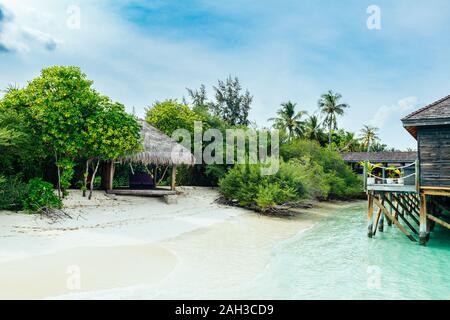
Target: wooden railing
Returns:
[[407, 172]]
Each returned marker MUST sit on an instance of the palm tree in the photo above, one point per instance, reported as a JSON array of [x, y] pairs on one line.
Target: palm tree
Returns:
[[368, 136], [290, 120], [313, 128], [329, 106], [349, 143]]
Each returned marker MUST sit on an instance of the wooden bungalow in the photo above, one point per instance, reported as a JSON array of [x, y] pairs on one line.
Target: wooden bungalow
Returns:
[[157, 149], [430, 126], [422, 204]]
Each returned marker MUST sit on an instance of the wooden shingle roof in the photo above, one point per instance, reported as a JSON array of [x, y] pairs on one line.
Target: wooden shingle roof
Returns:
[[436, 113], [383, 157], [436, 110]]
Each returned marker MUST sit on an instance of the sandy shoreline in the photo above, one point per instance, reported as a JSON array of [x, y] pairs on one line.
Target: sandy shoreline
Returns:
[[141, 248]]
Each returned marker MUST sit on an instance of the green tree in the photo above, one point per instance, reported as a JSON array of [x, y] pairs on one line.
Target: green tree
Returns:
[[199, 99], [313, 129], [231, 104], [110, 133], [368, 136], [380, 147], [20, 150], [348, 142], [331, 108], [289, 120], [59, 102], [171, 115]]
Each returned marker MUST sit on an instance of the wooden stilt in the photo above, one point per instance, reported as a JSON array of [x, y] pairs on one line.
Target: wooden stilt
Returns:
[[389, 221], [413, 208], [405, 209], [108, 175], [439, 221], [423, 219], [399, 214], [174, 177], [394, 221], [370, 199], [377, 219], [381, 226]]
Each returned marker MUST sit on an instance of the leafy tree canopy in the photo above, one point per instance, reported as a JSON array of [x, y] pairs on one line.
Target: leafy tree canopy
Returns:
[[171, 115], [231, 104]]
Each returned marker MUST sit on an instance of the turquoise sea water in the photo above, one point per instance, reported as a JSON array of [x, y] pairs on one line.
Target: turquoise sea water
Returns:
[[336, 260]]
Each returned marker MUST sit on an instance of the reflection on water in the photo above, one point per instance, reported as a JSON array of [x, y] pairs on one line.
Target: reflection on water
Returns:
[[336, 260]]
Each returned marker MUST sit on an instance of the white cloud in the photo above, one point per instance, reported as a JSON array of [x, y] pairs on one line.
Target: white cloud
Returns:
[[396, 111], [286, 57], [17, 37]]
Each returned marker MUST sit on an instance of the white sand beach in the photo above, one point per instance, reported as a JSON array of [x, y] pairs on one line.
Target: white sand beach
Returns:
[[141, 248]]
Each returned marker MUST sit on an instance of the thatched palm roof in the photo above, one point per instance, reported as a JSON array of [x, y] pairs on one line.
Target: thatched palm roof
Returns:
[[159, 149]]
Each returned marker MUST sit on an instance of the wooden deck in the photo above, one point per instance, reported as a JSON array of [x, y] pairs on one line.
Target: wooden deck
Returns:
[[143, 192], [398, 188]]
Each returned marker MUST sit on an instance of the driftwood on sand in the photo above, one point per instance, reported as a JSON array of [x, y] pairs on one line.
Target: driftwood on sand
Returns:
[[284, 210], [53, 214]]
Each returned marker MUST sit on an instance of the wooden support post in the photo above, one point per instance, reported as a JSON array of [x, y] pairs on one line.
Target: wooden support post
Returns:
[[398, 214], [395, 221], [413, 208], [377, 219], [439, 221], [370, 214], [108, 175], [398, 199], [391, 206], [366, 172], [417, 176], [423, 219], [111, 174], [174, 177], [381, 225]]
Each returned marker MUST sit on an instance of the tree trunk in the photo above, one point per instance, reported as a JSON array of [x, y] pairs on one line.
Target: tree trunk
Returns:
[[329, 136], [86, 177], [92, 179], [59, 175]]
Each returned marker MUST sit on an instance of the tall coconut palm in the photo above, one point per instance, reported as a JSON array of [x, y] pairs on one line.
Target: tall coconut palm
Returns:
[[290, 120], [331, 108], [368, 136], [349, 143], [313, 128]]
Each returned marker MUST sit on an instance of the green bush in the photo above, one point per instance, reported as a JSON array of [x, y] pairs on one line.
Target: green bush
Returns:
[[40, 195], [272, 194], [295, 180], [12, 193], [342, 181]]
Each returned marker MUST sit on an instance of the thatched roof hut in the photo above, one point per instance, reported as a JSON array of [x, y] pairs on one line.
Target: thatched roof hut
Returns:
[[159, 149]]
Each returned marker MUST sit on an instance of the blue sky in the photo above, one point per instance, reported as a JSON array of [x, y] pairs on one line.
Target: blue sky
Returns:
[[141, 51]]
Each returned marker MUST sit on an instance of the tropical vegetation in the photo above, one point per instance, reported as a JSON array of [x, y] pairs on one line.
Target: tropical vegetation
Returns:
[[57, 131], [50, 129]]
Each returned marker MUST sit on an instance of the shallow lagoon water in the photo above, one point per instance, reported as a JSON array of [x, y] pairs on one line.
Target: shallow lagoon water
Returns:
[[331, 259], [336, 260]]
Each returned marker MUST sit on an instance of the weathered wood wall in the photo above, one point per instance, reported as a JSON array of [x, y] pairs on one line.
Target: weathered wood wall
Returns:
[[434, 156]]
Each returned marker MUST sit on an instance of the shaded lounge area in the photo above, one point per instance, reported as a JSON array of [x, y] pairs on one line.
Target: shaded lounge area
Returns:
[[158, 150]]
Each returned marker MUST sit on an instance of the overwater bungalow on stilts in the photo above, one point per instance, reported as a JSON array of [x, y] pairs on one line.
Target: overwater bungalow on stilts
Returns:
[[417, 199]]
